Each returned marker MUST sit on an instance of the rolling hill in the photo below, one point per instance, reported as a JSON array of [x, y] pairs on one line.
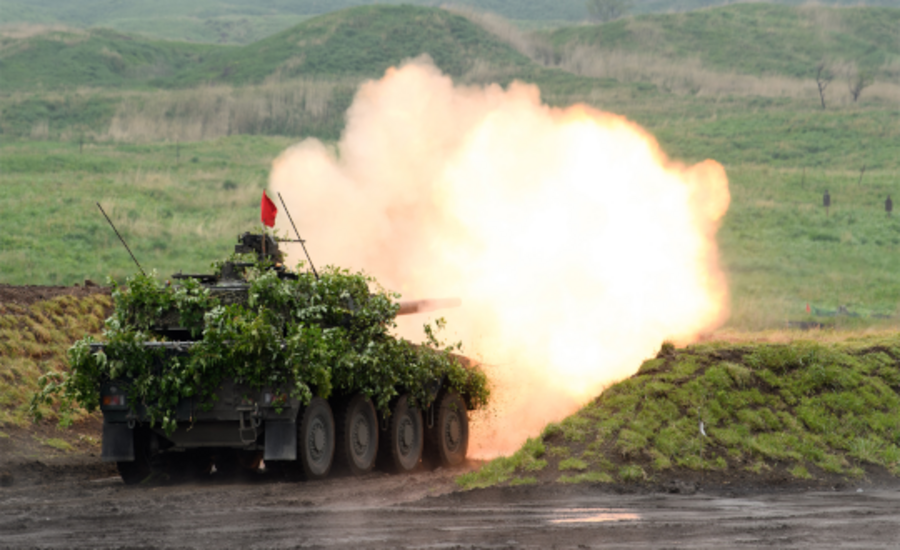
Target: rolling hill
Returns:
[[359, 42], [754, 39], [243, 22]]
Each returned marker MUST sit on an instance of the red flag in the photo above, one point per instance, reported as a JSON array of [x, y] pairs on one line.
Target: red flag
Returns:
[[807, 307], [268, 211]]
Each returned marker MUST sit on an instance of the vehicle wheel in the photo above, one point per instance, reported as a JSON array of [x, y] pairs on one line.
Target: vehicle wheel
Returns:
[[137, 471], [448, 439], [357, 436], [405, 437], [315, 439]]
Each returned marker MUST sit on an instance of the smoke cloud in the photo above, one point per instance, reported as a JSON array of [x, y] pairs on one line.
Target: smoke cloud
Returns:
[[576, 246]]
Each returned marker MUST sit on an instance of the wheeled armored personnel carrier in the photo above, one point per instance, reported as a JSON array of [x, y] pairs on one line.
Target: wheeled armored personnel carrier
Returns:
[[259, 363]]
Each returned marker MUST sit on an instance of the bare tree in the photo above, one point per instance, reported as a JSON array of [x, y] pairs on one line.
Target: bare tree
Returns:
[[823, 79], [857, 81], [607, 10]]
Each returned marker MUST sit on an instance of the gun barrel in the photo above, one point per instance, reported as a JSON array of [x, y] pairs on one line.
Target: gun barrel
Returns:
[[408, 307]]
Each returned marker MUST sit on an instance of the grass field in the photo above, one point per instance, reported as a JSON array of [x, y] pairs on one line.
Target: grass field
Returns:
[[179, 206]]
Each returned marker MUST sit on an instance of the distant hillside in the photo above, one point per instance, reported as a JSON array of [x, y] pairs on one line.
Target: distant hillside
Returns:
[[360, 42], [239, 21], [97, 58], [244, 21], [755, 39], [663, 6]]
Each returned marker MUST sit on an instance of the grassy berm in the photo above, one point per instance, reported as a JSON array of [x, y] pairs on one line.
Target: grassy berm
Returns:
[[805, 414], [37, 326]]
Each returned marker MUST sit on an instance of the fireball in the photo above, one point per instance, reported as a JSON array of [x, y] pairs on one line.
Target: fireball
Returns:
[[576, 246]]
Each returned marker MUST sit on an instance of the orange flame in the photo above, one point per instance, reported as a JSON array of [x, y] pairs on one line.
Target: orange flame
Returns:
[[576, 246]]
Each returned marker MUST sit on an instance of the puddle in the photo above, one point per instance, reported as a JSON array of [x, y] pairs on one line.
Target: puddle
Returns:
[[592, 515]]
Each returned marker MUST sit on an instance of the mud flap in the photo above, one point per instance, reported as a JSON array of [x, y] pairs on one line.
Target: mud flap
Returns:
[[118, 443], [281, 441]]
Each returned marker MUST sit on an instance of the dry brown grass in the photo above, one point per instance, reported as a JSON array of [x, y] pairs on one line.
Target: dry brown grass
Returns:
[[527, 44], [34, 340], [787, 336], [217, 111], [21, 31], [681, 76]]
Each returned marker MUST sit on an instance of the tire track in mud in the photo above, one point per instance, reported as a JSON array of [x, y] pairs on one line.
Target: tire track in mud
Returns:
[[424, 510]]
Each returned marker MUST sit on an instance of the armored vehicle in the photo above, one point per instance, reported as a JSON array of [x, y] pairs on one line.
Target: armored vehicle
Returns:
[[241, 422]]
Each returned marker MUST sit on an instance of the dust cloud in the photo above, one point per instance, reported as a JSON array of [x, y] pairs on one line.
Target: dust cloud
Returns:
[[576, 246]]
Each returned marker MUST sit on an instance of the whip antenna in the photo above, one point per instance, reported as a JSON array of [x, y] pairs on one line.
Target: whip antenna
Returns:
[[121, 239], [300, 240]]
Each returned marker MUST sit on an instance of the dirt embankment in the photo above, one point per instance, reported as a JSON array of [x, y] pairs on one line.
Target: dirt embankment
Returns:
[[37, 326], [29, 294]]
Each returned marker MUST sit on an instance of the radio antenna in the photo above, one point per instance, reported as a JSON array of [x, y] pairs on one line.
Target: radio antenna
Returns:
[[121, 239]]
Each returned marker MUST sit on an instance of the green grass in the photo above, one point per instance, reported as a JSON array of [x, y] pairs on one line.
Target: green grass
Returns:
[[781, 251], [755, 38], [811, 409], [175, 214], [526, 460], [58, 444]]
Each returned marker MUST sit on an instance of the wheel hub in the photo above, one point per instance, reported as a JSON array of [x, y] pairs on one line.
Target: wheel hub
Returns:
[[317, 439], [360, 436], [453, 431], [405, 436]]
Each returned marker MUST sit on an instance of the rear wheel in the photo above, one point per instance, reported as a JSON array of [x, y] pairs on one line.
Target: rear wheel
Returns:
[[315, 439], [448, 439], [402, 448], [357, 436]]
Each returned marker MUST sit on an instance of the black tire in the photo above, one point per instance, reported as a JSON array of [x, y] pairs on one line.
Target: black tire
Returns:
[[357, 436], [140, 469], [402, 448], [315, 439], [448, 440]]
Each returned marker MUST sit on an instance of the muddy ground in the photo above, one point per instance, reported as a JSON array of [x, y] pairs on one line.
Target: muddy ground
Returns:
[[79, 502]]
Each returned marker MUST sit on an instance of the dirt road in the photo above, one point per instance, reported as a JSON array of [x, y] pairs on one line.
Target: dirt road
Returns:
[[84, 506]]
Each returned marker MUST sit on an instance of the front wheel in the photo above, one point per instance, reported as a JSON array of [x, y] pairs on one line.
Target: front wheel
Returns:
[[448, 439], [315, 439]]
